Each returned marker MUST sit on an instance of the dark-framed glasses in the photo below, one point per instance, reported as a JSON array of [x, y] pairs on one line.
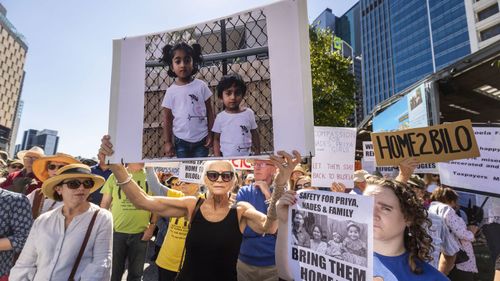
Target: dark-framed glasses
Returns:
[[74, 184], [304, 185], [214, 175], [54, 167]]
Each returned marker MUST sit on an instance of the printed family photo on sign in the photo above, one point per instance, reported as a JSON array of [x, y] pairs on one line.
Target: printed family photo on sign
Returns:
[[220, 89], [342, 240]]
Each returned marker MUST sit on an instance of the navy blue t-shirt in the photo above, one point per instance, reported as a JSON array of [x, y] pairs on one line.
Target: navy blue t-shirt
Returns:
[[256, 250], [397, 268]]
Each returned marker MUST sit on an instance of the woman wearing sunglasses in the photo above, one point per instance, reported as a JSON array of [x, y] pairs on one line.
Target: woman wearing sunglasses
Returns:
[[73, 241], [304, 182], [214, 238], [44, 168]]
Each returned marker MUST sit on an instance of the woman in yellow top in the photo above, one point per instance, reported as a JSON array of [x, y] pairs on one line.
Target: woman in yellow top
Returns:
[[169, 257]]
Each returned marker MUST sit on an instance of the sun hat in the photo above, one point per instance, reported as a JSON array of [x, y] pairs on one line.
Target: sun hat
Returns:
[[71, 171], [417, 182], [40, 164], [15, 161], [299, 168], [172, 180], [360, 176], [4, 155], [34, 151]]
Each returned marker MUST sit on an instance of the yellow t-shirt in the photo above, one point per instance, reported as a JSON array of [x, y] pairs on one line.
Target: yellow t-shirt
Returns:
[[126, 217], [170, 254]]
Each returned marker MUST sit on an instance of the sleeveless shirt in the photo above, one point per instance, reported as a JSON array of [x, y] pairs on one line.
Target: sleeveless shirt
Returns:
[[212, 249]]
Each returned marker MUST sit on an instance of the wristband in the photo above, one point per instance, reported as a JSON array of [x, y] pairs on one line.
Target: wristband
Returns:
[[129, 178]]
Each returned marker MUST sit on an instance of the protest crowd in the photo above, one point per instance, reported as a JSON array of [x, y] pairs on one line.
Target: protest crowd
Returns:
[[67, 219], [231, 228]]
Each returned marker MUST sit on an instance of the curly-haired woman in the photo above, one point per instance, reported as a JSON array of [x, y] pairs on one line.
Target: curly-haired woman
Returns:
[[402, 246]]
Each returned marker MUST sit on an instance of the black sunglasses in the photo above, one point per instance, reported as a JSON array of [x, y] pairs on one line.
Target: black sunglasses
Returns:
[[300, 186], [74, 184], [226, 176], [16, 166], [54, 167]]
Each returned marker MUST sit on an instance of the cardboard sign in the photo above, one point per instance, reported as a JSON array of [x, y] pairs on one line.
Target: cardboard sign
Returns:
[[334, 159], [191, 171], [242, 164], [345, 222], [439, 143], [368, 153], [476, 174]]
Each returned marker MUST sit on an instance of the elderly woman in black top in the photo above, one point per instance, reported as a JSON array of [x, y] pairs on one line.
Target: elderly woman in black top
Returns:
[[214, 238]]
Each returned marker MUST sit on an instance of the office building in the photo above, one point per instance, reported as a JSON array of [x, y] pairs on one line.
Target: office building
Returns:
[[483, 20], [403, 41], [13, 50], [46, 139]]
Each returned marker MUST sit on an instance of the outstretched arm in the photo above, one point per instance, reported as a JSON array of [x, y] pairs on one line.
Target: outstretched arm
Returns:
[[157, 188], [164, 206]]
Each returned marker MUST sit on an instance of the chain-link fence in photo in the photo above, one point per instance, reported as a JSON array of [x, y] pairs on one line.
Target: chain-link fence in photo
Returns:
[[232, 45]]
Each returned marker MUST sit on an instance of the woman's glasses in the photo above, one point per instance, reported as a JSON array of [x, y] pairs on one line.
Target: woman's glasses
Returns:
[[16, 166], [54, 167], [304, 185], [226, 176], [74, 184]]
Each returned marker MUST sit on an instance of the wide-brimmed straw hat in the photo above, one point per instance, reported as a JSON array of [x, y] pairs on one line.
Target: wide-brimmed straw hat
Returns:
[[4, 155], [71, 171], [40, 164], [360, 176], [417, 182], [34, 151]]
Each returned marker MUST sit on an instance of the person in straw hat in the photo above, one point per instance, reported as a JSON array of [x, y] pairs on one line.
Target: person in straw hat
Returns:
[[77, 229], [45, 168], [24, 181]]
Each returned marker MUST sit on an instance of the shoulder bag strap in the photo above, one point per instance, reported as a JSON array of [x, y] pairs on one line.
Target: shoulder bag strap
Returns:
[[82, 249], [37, 203], [196, 209]]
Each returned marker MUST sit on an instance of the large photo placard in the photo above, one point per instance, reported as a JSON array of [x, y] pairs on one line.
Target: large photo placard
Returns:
[[331, 237], [267, 47], [432, 144]]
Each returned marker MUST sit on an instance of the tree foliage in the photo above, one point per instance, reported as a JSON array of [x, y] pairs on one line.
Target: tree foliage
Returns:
[[333, 84]]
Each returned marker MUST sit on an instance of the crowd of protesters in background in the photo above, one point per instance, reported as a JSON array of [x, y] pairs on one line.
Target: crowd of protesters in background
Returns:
[[51, 206]]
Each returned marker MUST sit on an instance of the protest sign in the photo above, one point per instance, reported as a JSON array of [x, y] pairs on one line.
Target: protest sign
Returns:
[[242, 164], [480, 173], [368, 153], [191, 171], [331, 237], [428, 145], [368, 164], [267, 46], [334, 159]]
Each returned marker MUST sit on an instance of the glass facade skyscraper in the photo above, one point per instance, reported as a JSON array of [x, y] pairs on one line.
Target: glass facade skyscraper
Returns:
[[403, 41]]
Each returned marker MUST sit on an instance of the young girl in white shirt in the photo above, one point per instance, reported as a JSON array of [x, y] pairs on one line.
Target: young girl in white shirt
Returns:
[[188, 115]]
